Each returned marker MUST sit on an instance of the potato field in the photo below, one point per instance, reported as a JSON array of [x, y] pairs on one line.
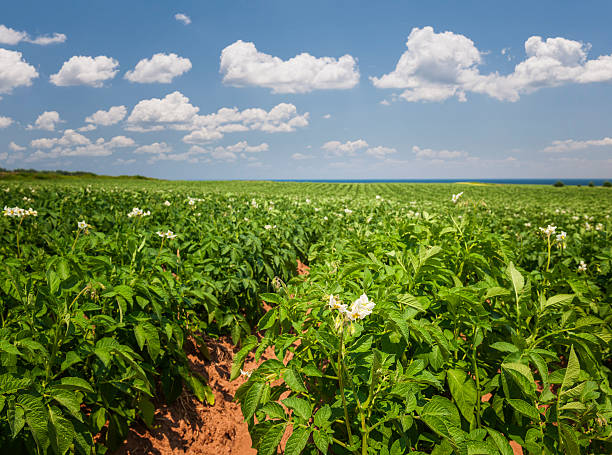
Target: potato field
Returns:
[[436, 318]]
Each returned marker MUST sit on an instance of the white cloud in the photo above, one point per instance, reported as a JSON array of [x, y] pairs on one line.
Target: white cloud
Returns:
[[243, 65], [380, 151], [82, 70], [327, 116], [121, 161], [301, 156], [430, 154], [12, 37], [571, 145], [48, 120], [86, 128], [16, 148], [105, 118], [5, 122], [173, 108], [348, 148], [74, 144], [183, 18], [154, 148], [176, 112], [160, 68], [438, 66], [121, 141], [14, 71]]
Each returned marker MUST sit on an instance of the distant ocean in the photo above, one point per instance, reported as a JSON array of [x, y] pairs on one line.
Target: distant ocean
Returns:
[[583, 182]]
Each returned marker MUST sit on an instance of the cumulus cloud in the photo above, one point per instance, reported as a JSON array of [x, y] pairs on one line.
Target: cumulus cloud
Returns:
[[380, 151], [243, 65], [183, 18], [14, 71], [430, 154], [327, 116], [15, 147], [348, 148], [12, 37], [174, 108], [154, 148], [48, 120], [160, 68], [5, 122], [571, 145], [83, 70], [438, 66], [74, 144], [174, 111], [301, 156], [105, 118]]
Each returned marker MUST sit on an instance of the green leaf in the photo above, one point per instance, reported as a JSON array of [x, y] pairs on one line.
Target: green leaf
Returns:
[[541, 365], [150, 334], [558, 300], [322, 418], [68, 399], [572, 371], [37, 417], [274, 410], [147, 411], [441, 415], [297, 441], [8, 348], [525, 408], [294, 381], [271, 439], [74, 383], [501, 443], [61, 431], [271, 298], [16, 419], [321, 440], [251, 399], [300, 406], [518, 282], [463, 391], [504, 347], [240, 357]]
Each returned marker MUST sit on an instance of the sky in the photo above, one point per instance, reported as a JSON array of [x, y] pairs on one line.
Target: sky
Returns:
[[280, 89]]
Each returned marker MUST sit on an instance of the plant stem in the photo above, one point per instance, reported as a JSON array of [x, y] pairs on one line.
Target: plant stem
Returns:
[[75, 241], [478, 395], [341, 384]]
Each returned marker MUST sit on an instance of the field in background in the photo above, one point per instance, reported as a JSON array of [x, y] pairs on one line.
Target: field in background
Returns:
[[485, 329]]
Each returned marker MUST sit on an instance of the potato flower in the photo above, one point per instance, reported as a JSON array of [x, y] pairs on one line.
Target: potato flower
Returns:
[[336, 305], [455, 197], [548, 230], [138, 212], [360, 308], [582, 267], [166, 235], [244, 373], [167, 203], [82, 225]]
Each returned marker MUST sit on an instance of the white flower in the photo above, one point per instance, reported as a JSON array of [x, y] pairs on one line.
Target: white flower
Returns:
[[335, 305], [268, 226], [360, 308], [246, 219], [167, 234], [17, 212], [325, 218], [254, 203], [82, 225], [599, 227], [348, 211], [191, 201], [244, 373], [456, 197], [587, 226], [307, 201], [377, 196], [31, 212], [561, 237], [582, 266], [575, 218], [549, 230], [527, 224], [138, 212], [167, 203]]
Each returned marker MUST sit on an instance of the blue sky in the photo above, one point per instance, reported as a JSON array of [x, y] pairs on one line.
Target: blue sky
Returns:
[[319, 89]]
